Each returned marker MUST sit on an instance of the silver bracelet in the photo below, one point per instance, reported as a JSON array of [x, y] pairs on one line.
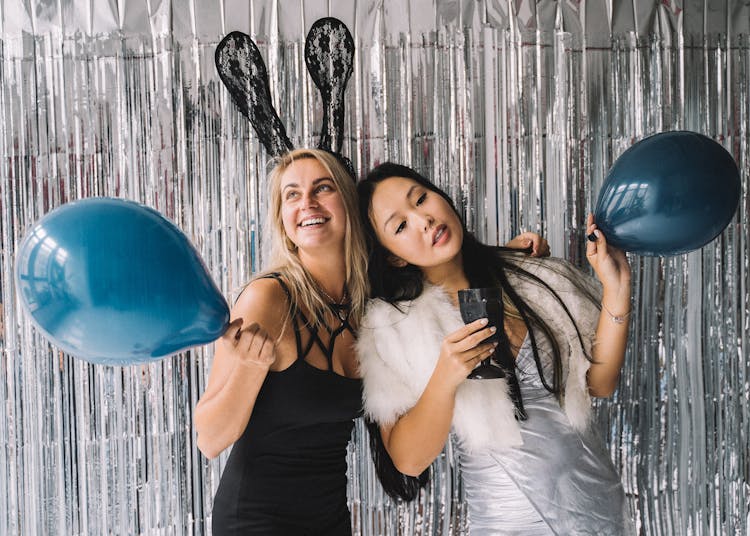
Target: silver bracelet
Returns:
[[616, 319]]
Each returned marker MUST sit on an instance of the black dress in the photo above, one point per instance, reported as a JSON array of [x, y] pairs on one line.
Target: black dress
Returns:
[[286, 475]]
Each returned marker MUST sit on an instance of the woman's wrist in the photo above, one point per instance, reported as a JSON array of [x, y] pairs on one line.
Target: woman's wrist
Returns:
[[617, 318], [443, 382], [616, 304]]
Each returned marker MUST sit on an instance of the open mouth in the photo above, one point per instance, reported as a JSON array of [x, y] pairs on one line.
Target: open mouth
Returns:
[[440, 233], [311, 222]]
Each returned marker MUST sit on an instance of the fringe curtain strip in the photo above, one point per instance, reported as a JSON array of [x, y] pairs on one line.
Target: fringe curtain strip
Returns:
[[517, 108]]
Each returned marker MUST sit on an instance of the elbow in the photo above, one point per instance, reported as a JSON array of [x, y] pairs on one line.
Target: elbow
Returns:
[[207, 448], [412, 468], [603, 391], [212, 444]]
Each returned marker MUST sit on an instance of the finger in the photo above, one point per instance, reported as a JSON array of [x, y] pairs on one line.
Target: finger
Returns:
[[266, 351], [620, 258], [617, 253], [544, 250], [473, 340], [247, 335], [530, 240], [598, 246], [480, 352], [256, 344], [591, 245], [231, 334], [466, 330], [590, 227], [541, 248]]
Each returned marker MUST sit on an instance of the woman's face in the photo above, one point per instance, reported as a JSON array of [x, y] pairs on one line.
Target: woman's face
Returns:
[[415, 224], [312, 208]]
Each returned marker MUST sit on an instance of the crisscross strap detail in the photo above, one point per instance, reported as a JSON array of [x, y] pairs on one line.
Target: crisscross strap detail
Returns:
[[299, 320]]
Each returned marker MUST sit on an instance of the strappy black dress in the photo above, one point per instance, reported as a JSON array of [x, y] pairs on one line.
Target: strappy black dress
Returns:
[[286, 475]]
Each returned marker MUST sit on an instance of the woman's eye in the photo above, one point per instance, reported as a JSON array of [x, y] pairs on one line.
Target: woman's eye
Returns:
[[401, 227], [292, 195], [324, 188], [421, 198]]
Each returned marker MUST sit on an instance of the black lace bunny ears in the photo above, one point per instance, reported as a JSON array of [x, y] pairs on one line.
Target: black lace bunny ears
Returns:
[[329, 55]]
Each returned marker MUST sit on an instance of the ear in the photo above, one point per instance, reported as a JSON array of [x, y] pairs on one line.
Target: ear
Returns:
[[243, 72], [396, 262]]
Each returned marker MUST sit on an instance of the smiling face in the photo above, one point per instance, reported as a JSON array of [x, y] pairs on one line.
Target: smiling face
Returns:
[[312, 209], [416, 224]]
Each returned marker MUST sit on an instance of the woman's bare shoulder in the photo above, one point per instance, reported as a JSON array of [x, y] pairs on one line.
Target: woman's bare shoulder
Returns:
[[264, 301]]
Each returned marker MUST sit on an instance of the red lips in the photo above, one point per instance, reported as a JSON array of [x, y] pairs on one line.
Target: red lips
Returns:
[[441, 232]]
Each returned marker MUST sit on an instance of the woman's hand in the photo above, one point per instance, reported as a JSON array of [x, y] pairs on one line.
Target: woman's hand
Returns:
[[539, 246], [419, 435], [462, 350], [250, 346], [609, 263]]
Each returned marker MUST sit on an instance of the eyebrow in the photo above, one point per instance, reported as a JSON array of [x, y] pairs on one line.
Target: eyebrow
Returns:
[[408, 195], [315, 182]]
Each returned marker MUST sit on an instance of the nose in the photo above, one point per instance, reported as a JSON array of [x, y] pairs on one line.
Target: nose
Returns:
[[309, 200], [426, 221]]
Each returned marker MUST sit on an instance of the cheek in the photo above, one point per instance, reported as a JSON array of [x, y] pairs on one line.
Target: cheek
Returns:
[[403, 245], [288, 218], [338, 208]]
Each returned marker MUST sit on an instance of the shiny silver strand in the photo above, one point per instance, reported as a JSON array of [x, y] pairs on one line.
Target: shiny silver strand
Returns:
[[516, 108]]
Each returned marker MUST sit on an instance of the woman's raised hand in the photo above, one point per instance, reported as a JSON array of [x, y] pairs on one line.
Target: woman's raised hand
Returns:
[[609, 263], [538, 245], [251, 346], [462, 350]]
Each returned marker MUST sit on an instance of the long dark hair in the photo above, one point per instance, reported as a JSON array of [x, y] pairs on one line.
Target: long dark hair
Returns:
[[484, 266]]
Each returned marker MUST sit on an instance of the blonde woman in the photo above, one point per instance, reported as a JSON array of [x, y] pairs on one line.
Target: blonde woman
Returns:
[[285, 394]]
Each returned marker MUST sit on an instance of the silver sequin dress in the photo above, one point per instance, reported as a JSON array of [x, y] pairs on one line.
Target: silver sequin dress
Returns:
[[558, 482]]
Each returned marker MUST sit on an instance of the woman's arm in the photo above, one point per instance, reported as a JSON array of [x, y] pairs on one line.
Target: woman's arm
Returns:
[[418, 437], [241, 361], [612, 269]]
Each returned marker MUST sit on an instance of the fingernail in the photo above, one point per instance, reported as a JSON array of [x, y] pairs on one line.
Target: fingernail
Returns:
[[493, 329], [483, 321], [597, 233]]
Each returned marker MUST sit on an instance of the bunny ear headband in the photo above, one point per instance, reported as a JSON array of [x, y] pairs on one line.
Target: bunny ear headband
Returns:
[[329, 54]]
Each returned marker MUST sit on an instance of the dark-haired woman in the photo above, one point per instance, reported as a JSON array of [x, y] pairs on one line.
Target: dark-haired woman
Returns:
[[530, 461]]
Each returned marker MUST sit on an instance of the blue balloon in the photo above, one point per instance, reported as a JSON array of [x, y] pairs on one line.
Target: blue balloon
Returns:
[[668, 194], [114, 282]]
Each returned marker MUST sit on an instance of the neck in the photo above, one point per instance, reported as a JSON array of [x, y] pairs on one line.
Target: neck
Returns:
[[328, 270], [450, 276]]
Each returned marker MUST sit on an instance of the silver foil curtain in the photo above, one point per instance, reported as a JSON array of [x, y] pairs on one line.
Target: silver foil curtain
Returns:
[[518, 108]]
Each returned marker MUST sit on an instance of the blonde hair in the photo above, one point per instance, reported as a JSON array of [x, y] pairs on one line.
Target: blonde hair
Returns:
[[304, 290]]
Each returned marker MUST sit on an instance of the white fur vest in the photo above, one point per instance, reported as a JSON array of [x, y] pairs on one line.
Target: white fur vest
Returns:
[[398, 350]]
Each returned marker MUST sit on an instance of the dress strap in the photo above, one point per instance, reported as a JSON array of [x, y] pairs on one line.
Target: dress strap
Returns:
[[293, 312]]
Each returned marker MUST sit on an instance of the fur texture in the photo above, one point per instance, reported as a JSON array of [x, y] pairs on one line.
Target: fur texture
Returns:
[[398, 350]]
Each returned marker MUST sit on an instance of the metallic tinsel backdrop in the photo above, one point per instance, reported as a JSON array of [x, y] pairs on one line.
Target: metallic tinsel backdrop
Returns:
[[517, 107]]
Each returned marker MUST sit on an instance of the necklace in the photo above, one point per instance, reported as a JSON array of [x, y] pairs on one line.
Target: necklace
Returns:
[[331, 301], [339, 308]]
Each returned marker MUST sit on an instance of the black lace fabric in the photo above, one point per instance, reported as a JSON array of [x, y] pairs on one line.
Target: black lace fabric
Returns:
[[244, 73], [329, 54]]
